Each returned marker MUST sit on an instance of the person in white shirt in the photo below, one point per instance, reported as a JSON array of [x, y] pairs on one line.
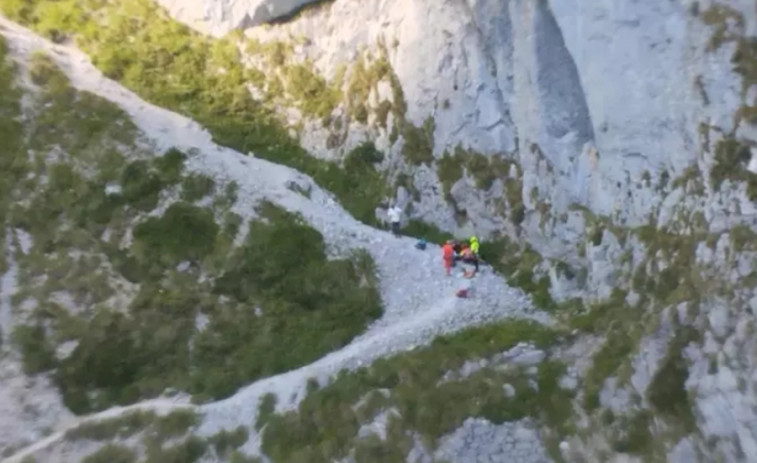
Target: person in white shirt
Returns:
[[394, 213]]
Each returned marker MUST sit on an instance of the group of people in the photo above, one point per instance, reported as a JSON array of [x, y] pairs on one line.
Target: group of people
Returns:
[[467, 252], [453, 251]]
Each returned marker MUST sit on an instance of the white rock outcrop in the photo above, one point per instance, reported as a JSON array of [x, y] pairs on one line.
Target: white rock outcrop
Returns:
[[219, 17]]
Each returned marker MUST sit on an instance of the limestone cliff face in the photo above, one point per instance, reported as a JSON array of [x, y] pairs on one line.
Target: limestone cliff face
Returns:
[[570, 124]]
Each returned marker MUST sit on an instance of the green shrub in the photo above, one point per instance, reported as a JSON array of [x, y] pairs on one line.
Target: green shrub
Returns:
[[358, 185], [224, 441], [170, 166], [112, 453], [172, 66], [196, 186], [636, 438], [13, 162], [364, 155], [37, 353], [429, 232], [127, 358], [316, 304], [238, 457], [311, 91], [130, 353], [123, 426], [175, 424], [614, 352], [450, 170], [141, 186], [45, 73], [326, 423], [189, 451], [418, 147], [731, 157], [667, 391], [184, 232], [266, 408]]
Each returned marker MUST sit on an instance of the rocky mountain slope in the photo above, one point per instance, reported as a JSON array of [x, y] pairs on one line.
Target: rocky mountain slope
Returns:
[[605, 151], [48, 321]]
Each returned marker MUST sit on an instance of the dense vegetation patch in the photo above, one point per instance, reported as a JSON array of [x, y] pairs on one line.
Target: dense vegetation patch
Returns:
[[162, 438], [203, 78], [173, 424], [184, 232], [418, 146], [154, 294], [310, 305], [111, 453], [412, 389], [667, 392], [731, 159]]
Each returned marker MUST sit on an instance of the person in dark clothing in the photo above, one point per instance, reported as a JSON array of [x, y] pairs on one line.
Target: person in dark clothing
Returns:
[[469, 257]]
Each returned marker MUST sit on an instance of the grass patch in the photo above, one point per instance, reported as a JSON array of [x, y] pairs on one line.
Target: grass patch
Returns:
[[325, 425], [265, 409], [429, 232], [418, 146], [313, 95], [450, 170], [196, 186], [184, 232], [323, 301], [112, 453], [13, 163], [175, 424], [37, 353], [225, 441], [151, 343], [667, 392], [362, 188], [172, 66], [189, 451], [518, 263], [616, 350], [719, 16], [121, 427], [731, 158], [636, 436]]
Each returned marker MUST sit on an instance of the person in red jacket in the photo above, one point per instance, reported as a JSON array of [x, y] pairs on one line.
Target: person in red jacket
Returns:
[[447, 255]]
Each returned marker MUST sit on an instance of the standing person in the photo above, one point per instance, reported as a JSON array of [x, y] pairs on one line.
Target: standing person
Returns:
[[447, 257], [394, 213]]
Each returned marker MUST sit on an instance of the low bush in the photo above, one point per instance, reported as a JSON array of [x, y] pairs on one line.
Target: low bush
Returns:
[[122, 427], [196, 186], [326, 424], [37, 353], [184, 232], [266, 407], [189, 451], [111, 453], [667, 392], [310, 305], [225, 441], [174, 67], [418, 147]]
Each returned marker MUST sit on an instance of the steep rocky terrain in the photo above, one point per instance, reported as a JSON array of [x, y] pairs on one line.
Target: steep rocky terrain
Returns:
[[604, 151]]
